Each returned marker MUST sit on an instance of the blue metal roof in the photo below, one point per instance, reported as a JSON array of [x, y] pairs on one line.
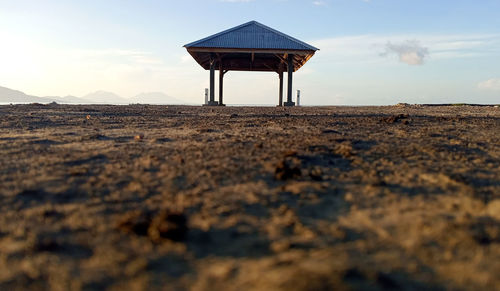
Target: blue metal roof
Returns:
[[251, 35]]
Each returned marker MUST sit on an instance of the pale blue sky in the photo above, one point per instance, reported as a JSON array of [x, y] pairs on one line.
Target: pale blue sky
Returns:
[[372, 52]]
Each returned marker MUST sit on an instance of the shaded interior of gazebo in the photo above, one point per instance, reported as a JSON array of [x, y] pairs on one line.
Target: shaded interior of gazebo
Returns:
[[250, 47]]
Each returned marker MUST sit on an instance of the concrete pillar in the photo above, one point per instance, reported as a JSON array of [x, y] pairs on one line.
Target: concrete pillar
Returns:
[[280, 74], [221, 85], [212, 81], [212, 101], [290, 82]]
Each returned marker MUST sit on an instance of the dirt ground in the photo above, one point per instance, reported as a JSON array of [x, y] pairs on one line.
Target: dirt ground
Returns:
[[242, 198]]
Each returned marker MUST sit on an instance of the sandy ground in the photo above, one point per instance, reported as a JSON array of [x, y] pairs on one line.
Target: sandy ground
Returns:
[[175, 198]]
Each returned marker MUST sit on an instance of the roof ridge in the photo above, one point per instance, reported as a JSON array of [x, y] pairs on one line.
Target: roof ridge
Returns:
[[285, 35], [220, 33], [252, 22]]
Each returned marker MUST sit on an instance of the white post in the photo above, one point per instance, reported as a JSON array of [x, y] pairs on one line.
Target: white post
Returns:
[[298, 97], [206, 96]]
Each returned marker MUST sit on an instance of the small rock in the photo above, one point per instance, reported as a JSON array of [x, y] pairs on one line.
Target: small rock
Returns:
[[395, 118], [157, 226], [344, 149], [45, 244], [179, 159], [290, 153], [280, 246], [206, 130], [485, 230], [87, 117], [316, 174], [168, 225], [329, 131], [139, 137], [287, 169], [222, 270], [136, 266], [136, 222], [78, 171]]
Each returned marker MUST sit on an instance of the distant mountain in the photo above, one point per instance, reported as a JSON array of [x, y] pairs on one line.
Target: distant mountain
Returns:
[[99, 97], [13, 96], [105, 97], [68, 100], [155, 98], [74, 100]]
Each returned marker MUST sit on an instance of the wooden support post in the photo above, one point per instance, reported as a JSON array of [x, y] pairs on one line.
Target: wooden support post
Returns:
[[280, 73], [221, 84], [290, 81], [212, 81], [212, 102], [251, 62]]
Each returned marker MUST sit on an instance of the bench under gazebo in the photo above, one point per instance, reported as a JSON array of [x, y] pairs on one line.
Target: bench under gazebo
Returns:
[[250, 47]]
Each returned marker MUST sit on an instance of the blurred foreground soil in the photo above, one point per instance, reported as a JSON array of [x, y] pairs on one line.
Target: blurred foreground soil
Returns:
[[240, 198]]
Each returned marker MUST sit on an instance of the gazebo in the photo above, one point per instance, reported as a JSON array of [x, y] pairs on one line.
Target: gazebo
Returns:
[[250, 47]]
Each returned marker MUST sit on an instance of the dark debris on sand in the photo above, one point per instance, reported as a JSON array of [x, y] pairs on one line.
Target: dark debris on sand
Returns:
[[157, 226]]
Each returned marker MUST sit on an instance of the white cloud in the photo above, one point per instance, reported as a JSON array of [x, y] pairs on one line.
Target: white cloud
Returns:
[[491, 84], [409, 52], [363, 49], [319, 3], [235, 1]]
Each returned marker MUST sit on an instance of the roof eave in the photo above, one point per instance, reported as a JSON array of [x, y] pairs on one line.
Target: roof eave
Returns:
[[249, 50]]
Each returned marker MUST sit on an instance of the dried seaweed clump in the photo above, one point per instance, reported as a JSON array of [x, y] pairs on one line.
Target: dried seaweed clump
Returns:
[[157, 226]]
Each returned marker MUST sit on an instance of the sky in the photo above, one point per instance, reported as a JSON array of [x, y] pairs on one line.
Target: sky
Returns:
[[372, 52]]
